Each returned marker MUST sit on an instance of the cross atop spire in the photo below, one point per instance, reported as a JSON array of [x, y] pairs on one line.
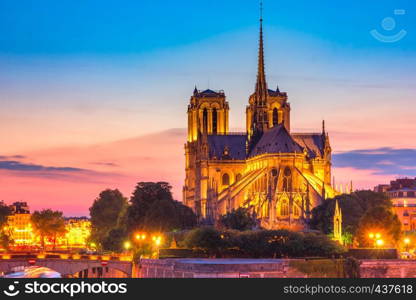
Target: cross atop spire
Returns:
[[261, 85]]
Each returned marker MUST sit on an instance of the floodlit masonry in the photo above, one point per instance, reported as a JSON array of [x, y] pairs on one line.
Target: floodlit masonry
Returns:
[[280, 175]]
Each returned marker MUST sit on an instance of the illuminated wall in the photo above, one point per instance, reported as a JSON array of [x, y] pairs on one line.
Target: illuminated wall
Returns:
[[20, 229]]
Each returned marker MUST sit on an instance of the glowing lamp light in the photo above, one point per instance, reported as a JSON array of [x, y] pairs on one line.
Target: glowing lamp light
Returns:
[[371, 235], [378, 235], [379, 243], [127, 245], [157, 239], [407, 241]]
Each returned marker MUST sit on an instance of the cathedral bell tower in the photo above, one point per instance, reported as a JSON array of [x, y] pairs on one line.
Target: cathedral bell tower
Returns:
[[267, 108], [207, 114]]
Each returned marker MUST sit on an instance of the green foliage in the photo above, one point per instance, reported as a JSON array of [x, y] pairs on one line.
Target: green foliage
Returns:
[[239, 219], [262, 243], [5, 240], [113, 241], [153, 209], [382, 220], [107, 214], [205, 238], [354, 206], [48, 224]]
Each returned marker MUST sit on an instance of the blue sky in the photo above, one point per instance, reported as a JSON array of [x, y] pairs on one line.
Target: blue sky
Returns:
[[113, 65], [132, 27]]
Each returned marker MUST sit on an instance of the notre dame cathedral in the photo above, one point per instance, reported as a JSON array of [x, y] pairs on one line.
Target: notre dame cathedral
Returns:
[[278, 174]]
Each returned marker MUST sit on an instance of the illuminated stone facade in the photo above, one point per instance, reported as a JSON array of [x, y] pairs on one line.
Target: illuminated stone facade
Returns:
[[19, 228], [280, 175], [78, 231], [402, 193]]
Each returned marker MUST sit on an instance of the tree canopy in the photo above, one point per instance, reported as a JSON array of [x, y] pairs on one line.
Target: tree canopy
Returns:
[[106, 214], [48, 224], [5, 239], [353, 206], [153, 208], [239, 219], [379, 220]]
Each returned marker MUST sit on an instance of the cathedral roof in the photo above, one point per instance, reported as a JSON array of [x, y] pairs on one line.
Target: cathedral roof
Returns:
[[210, 93], [231, 146], [276, 140], [312, 142]]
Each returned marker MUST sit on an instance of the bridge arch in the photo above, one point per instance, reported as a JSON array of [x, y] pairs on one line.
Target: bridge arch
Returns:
[[68, 267]]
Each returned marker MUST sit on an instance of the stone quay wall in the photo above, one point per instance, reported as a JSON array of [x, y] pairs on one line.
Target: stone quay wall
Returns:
[[262, 268], [217, 268]]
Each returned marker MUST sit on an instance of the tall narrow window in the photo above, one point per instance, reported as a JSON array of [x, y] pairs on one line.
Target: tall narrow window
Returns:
[[284, 208], [275, 117], [205, 120], [287, 180], [226, 179], [214, 121]]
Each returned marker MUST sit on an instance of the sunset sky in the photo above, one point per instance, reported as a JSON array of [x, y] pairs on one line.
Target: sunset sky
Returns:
[[93, 94]]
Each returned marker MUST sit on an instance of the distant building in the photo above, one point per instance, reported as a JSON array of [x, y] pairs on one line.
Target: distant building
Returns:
[[19, 208], [19, 226], [78, 231], [402, 192]]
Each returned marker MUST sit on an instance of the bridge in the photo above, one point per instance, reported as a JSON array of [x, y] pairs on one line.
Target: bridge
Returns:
[[73, 265]]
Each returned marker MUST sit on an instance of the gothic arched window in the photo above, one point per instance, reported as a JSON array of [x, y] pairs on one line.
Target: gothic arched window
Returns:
[[205, 120], [214, 121], [284, 208], [225, 179], [275, 117], [287, 180], [238, 177], [296, 211]]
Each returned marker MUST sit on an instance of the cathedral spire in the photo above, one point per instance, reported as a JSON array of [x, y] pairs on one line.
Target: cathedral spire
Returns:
[[261, 85]]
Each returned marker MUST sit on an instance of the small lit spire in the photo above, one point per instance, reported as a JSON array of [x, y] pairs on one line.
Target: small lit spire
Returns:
[[323, 127], [195, 91]]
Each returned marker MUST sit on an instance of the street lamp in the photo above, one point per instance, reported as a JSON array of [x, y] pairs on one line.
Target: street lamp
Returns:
[[406, 243], [376, 238], [379, 243], [127, 245]]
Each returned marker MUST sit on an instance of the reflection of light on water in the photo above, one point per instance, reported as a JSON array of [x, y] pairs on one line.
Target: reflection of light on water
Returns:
[[32, 272]]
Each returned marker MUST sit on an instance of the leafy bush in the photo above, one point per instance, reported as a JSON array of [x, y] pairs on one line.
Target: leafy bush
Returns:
[[262, 243], [239, 219], [205, 238]]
